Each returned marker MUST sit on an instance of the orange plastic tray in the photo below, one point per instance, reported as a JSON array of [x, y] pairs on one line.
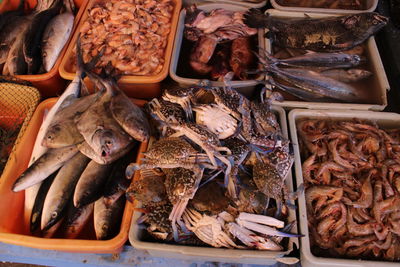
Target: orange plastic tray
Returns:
[[49, 84], [12, 226], [143, 86]]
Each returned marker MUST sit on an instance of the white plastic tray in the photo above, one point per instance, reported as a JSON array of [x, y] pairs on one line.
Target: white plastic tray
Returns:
[[244, 87], [379, 79], [383, 119], [242, 256], [371, 6]]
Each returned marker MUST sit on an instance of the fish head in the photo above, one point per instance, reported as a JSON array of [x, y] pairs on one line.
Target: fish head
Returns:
[[365, 23], [51, 135], [106, 143], [359, 73]]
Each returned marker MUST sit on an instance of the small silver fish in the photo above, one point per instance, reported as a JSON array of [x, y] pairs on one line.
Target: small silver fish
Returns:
[[91, 183], [61, 190], [48, 163], [107, 219], [347, 76], [55, 37]]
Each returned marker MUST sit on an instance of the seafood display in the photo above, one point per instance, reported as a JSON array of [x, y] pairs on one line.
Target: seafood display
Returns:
[[351, 175], [130, 35], [219, 182], [334, 4], [220, 43], [32, 43], [329, 34], [81, 148]]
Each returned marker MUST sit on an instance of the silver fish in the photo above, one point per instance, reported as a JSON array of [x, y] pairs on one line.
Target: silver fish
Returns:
[[107, 219], [99, 129], [76, 219], [61, 190], [131, 117], [55, 37], [324, 60], [91, 183], [48, 163], [347, 76], [321, 85], [62, 130], [87, 150]]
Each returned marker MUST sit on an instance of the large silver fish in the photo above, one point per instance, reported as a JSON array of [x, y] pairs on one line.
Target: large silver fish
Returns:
[[55, 37], [347, 76], [62, 189], [91, 183], [48, 163]]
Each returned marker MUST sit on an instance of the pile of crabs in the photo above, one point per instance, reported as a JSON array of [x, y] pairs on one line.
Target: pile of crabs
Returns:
[[214, 173]]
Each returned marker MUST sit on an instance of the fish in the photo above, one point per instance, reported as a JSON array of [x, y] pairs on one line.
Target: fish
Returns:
[[36, 214], [329, 34], [117, 182], [63, 131], [76, 219], [316, 83], [33, 37], [98, 127], [48, 163], [61, 190], [55, 37], [15, 62], [130, 117], [107, 219], [91, 183], [49, 233], [347, 76], [316, 59], [87, 150], [305, 95], [14, 29]]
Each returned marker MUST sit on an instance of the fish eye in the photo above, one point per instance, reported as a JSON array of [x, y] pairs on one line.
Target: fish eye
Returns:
[[54, 215], [49, 137], [375, 22]]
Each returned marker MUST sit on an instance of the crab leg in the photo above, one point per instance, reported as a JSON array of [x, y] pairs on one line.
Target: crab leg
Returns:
[[264, 229], [261, 219], [176, 214]]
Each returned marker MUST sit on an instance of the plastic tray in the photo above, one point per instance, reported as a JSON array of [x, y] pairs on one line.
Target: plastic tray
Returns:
[[244, 87], [143, 86], [49, 84], [379, 80], [383, 119], [247, 4], [371, 6], [12, 228], [194, 253]]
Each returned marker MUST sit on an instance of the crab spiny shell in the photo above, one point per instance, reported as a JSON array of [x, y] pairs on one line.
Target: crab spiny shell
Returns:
[[239, 148], [268, 180], [228, 98], [157, 218], [170, 149], [216, 120], [281, 159], [180, 183], [165, 109], [266, 122], [201, 132]]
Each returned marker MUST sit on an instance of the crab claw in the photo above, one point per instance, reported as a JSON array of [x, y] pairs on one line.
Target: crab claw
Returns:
[[130, 170]]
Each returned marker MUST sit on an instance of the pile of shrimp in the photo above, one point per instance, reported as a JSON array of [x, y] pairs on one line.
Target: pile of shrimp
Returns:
[[131, 35], [352, 179]]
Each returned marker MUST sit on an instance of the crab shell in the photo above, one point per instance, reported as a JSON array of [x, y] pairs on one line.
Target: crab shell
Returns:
[[216, 120]]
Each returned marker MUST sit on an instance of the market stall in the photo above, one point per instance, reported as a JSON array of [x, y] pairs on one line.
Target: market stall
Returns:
[[180, 133]]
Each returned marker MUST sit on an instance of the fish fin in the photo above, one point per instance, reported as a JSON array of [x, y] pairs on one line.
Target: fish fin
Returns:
[[254, 18]]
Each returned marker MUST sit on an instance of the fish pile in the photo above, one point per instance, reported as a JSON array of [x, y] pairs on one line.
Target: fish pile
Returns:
[[351, 173], [222, 42], [31, 44], [211, 169], [333, 4], [131, 35], [313, 76], [80, 157]]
